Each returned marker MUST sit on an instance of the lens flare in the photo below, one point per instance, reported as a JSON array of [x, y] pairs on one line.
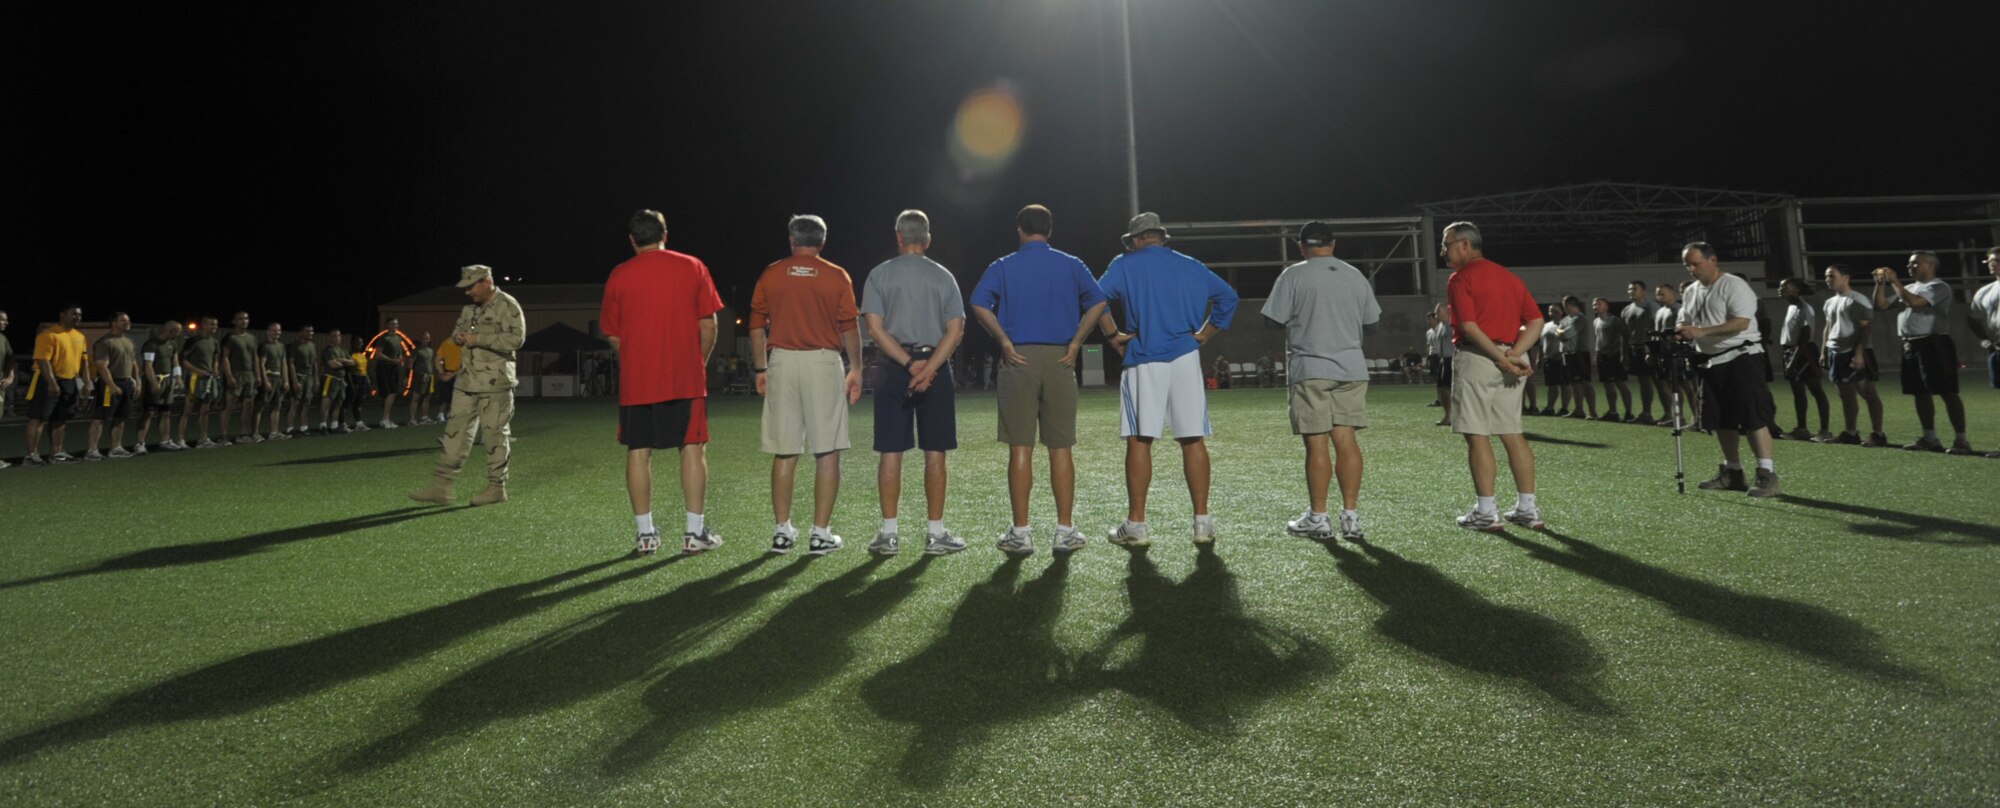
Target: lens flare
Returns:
[[986, 132]]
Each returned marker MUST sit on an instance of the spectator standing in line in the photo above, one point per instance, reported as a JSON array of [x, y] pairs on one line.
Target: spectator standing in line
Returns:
[[1326, 306], [304, 376], [1555, 374], [491, 331], [1664, 319], [159, 381], [1488, 300], [359, 386], [1719, 317], [916, 318], [1983, 316], [1850, 361], [201, 360], [1797, 339], [1637, 318], [6, 370], [54, 387], [659, 315], [274, 381], [1574, 332], [115, 365], [802, 317], [239, 379], [334, 365], [388, 366], [1039, 304], [1173, 305], [1442, 354], [423, 380], [1609, 334], [1930, 358]]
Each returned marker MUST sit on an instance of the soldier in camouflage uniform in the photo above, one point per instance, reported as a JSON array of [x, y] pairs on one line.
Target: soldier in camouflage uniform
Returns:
[[490, 330]]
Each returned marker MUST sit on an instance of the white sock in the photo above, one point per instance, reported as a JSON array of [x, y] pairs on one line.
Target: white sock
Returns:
[[1059, 528], [696, 523], [822, 530], [1131, 524], [889, 525], [1732, 465], [1024, 528], [785, 527], [934, 527], [645, 521], [1764, 464], [1345, 512], [1321, 514], [1524, 500], [1202, 517], [1485, 505]]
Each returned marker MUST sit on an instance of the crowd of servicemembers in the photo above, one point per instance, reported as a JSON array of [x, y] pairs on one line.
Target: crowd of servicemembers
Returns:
[[184, 381]]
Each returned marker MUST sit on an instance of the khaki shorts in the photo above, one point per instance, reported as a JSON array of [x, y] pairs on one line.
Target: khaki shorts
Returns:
[[805, 403], [1040, 395], [1484, 399], [1319, 405]]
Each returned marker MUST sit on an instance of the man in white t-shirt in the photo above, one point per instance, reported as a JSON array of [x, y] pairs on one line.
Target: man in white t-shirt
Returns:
[[1930, 359], [1984, 317], [1664, 360], [1441, 352], [1801, 357], [1720, 319], [1850, 362], [1554, 375]]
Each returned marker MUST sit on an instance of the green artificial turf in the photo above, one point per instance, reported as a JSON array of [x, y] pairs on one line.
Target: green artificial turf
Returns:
[[276, 623]]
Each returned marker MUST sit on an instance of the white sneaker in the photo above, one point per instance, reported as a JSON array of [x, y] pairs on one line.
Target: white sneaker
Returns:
[[140, 448], [694, 543], [942, 543], [1350, 525], [1204, 530], [1129, 534], [360, 426], [646, 544], [822, 543], [388, 425], [118, 453], [783, 540], [1017, 542], [4, 464], [1311, 526], [322, 427], [1530, 518], [207, 443], [1070, 541], [277, 436], [91, 455], [1474, 520], [885, 544]]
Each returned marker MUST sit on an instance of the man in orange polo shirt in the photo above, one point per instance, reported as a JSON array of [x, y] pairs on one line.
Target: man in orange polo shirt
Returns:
[[802, 316], [55, 384]]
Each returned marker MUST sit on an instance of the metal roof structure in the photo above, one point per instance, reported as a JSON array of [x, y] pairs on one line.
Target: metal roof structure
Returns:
[[1600, 209]]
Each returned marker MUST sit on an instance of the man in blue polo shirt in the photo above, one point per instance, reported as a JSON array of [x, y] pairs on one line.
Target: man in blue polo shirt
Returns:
[[1173, 304], [1038, 292]]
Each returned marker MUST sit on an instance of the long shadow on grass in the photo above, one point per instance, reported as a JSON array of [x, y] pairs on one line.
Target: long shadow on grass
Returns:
[[1909, 526], [997, 662], [590, 656], [1202, 659], [274, 676], [345, 458], [792, 654], [179, 555], [1434, 615], [1566, 441], [1806, 630]]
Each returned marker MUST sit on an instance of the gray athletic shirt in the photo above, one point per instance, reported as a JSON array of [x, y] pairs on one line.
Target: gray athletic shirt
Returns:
[[1573, 329], [1844, 313], [1713, 304], [1798, 328], [1986, 303], [1325, 305], [914, 296], [1927, 321], [1638, 319], [1610, 333]]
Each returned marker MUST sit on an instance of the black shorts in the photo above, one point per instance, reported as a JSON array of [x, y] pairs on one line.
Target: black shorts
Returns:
[[905, 420], [161, 399], [1576, 366], [389, 377], [116, 408], [1638, 360], [664, 425], [358, 390], [50, 403], [1840, 367], [1610, 368], [1798, 367], [1553, 371], [444, 389], [1435, 365], [1735, 396], [1930, 366]]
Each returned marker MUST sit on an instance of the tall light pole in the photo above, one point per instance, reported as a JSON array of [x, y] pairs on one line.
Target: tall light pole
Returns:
[[1131, 124]]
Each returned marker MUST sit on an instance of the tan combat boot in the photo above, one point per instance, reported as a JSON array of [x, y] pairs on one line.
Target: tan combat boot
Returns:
[[494, 494], [437, 492]]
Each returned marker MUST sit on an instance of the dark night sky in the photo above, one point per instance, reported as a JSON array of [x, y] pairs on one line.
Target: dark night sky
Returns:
[[308, 163]]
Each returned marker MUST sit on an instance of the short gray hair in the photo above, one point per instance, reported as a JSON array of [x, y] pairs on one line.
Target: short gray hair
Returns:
[[913, 227], [1470, 230], [807, 230]]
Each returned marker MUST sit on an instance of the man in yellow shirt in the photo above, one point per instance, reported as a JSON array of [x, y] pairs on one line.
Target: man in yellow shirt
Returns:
[[54, 386]]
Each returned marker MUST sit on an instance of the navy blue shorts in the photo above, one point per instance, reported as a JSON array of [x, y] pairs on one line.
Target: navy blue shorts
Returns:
[[1840, 367], [905, 420]]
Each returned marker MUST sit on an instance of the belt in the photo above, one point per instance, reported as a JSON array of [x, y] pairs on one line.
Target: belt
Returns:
[[1908, 340], [1742, 350]]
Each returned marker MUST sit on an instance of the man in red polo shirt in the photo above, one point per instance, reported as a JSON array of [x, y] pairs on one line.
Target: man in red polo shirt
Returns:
[[1493, 316], [659, 313]]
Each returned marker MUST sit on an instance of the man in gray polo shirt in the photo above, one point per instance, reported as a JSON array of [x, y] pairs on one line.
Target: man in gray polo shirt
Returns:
[[1326, 306], [1720, 319], [916, 319], [1930, 360]]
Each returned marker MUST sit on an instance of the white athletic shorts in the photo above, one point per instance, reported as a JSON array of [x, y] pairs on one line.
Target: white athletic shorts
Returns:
[[1158, 396]]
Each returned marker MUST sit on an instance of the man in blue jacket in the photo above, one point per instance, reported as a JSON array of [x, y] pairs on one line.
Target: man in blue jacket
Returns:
[[1173, 304]]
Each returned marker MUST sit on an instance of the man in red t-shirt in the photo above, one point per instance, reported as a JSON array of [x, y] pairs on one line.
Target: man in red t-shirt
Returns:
[[802, 316], [659, 313], [1495, 321]]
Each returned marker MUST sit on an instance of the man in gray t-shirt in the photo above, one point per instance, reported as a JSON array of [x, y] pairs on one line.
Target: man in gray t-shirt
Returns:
[[1609, 332], [1930, 359], [916, 318], [1326, 306], [1638, 319]]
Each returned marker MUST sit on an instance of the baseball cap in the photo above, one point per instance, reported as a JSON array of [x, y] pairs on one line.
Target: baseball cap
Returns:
[[468, 276], [1316, 234]]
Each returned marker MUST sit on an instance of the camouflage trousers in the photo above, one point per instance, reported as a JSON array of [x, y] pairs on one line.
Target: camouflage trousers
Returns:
[[469, 413]]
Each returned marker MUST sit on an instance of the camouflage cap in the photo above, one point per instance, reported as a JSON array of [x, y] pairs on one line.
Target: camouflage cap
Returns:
[[468, 276]]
